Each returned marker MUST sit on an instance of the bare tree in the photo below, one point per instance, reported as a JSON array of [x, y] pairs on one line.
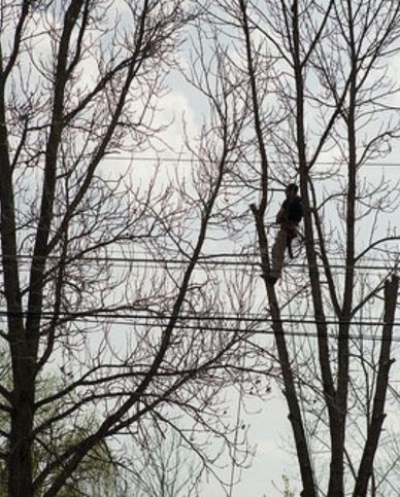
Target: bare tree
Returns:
[[78, 81], [316, 75], [163, 467]]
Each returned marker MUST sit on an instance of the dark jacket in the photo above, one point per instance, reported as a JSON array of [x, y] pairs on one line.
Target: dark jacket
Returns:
[[292, 210]]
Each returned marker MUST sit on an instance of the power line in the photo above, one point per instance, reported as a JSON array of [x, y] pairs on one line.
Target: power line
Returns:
[[237, 330], [156, 318], [207, 261], [185, 317], [189, 160], [270, 332]]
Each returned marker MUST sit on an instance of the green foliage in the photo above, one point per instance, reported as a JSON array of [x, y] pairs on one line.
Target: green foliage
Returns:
[[96, 475]]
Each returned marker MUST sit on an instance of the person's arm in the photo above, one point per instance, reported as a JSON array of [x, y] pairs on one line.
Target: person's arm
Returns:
[[282, 214], [280, 217]]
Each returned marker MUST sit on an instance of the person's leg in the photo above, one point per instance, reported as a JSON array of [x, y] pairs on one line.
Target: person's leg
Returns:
[[278, 253], [291, 233]]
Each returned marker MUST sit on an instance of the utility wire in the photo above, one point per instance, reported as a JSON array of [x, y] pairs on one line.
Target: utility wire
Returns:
[[206, 261], [236, 330], [156, 321], [189, 160], [167, 317]]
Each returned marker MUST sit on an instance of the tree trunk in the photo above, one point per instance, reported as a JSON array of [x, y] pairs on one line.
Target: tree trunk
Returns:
[[20, 468]]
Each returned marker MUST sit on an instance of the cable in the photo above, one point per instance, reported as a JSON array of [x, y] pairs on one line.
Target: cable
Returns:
[[151, 322], [264, 332], [188, 160], [158, 317], [207, 261]]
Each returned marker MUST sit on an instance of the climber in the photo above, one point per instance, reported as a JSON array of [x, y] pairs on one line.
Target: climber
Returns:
[[288, 218]]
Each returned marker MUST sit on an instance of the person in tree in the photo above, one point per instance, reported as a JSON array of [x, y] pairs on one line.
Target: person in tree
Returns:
[[288, 218]]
